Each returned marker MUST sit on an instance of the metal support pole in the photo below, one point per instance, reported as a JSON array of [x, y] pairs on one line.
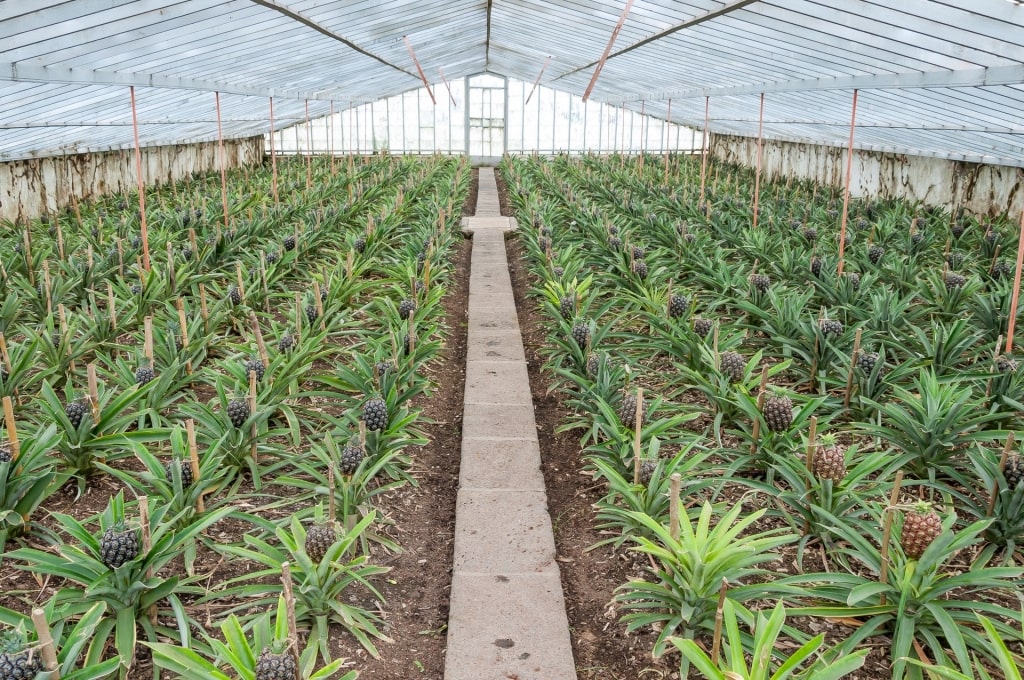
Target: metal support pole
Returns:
[[757, 176], [273, 155], [846, 188], [142, 189], [223, 164]]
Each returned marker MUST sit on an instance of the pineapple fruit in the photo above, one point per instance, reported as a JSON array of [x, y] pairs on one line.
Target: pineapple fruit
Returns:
[[778, 412], [829, 460], [119, 545], [274, 666], [921, 526], [17, 661]]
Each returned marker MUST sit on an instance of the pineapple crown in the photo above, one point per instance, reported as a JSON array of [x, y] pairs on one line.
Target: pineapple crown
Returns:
[[828, 439], [13, 641], [922, 508]]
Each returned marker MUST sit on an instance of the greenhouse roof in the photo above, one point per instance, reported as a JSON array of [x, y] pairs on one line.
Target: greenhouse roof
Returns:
[[938, 78]]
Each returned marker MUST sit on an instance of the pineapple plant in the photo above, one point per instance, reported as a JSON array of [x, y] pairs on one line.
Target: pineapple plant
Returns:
[[953, 281], [829, 460], [351, 457], [275, 665], [640, 269], [702, 326], [238, 411], [272, 257], [1005, 364], [359, 244], [320, 536], [760, 282], [647, 469], [778, 411], [144, 374], [615, 243], [955, 259], [816, 266], [567, 305], [581, 334], [1001, 270], [1013, 472], [286, 342], [810, 234], [184, 468], [866, 361], [832, 327], [677, 305], [119, 545], [921, 526], [627, 410], [17, 660], [312, 313], [288, 243], [957, 229], [234, 295], [406, 308], [732, 365], [853, 278], [875, 253], [375, 414], [75, 411], [255, 365]]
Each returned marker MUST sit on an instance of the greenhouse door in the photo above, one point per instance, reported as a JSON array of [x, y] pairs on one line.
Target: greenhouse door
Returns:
[[485, 117]]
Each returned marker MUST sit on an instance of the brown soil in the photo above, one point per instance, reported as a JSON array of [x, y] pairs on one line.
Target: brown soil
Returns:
[[469, 207]]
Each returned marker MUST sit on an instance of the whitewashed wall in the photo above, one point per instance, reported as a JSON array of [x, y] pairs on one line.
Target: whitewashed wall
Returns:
[[980, 189], [31, 187]]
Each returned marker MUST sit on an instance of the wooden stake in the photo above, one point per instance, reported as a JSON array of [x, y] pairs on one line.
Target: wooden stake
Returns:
[[252, 410], [894, 498], [46, 288], [172, 277], [202, 308], [94, 392], [809, 460], [47, 649], [846, 187], [319, 305], [62, 316], [673, 510], [142, 187], [1016, 288], [849, 374], [289, 602], [60, 241], [27, 247], [238, 277], [183, 327], [5, 356], [12, 428], [193, 457], [756, 432], [1002, 467], [112, 309], [147, 347], [298, 316]]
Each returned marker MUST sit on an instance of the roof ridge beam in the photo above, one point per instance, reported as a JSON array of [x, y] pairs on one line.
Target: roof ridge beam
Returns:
[[14, 72], [975, 77]]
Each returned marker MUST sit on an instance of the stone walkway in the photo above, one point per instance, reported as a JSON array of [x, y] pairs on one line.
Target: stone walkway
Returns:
[[507, 618]]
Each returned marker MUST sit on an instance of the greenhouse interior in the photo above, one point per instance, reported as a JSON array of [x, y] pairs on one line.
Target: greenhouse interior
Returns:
[[511, 340]]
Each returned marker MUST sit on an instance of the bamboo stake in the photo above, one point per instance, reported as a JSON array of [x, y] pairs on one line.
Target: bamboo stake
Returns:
[[673, 511], [172, 278], [62, 316], [147, 543], [12, 428], [894, 497], [193, 457], [60, 241], [846, 188], [47, 649], [238, 277], [756, 431], [147, 347], [183, 326], [811, 449], [46, 288], [849, 374], [319, 305], [298, 316], [1016, 288], [27, 247], [94, 392], [202, 308], [1002, 467], [112, 309], [5, 356], [289, 601], [252, 410]]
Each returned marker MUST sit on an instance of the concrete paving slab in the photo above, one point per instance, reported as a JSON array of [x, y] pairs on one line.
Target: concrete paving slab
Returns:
[[508, 626], [514, 421], [500, 464], [494, 346], [492, 320], [497, 382], [503, 531]]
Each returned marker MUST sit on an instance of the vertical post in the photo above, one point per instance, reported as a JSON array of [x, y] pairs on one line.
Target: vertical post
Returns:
[[704, 149], [193, 458], [330, 139], [667, 138], [846, 188], [273, 156], [676, 482], [757, 175], [142, 190], [1016, 288], [12, 428], [47, 648], [223, 163], [309, 151]]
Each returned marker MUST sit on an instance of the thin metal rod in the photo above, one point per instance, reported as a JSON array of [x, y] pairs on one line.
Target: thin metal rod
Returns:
[[309, 150], [447, 86], [607, 50], [1016, 287], [537, 82], [704, 149], [667, 138], [223, 163], [142, 189], [423, 76], [330, 139], [757, 176], [846, 187], [273, 156]]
